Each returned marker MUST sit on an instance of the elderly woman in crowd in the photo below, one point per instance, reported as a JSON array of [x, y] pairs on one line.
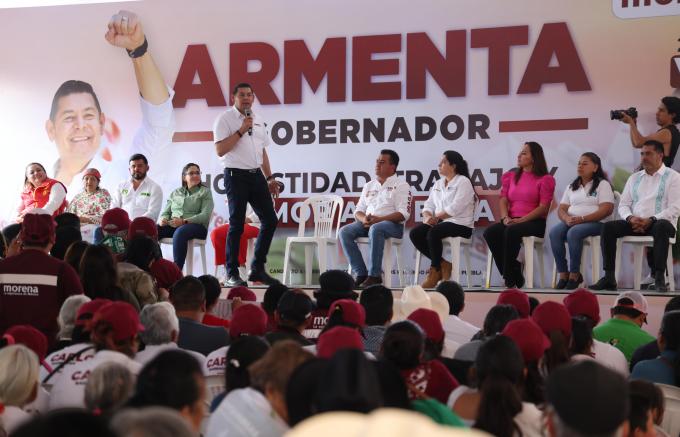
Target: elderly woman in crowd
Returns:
[[19, 371], [91, 203], [41, 192], [187, 213], [587, 202]]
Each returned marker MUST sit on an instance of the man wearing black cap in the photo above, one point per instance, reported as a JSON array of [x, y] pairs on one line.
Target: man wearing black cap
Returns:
[[333, 285], [586, 399], [293, 314], [34, 285]]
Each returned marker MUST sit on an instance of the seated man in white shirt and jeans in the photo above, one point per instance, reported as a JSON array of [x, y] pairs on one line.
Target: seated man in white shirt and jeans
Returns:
[[650, 205], [384, 205]]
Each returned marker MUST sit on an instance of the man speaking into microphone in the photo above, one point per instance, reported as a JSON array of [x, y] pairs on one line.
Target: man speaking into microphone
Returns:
[[240, 140]]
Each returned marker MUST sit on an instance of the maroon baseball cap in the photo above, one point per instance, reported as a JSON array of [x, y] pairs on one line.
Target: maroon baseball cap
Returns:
[[122, 317], [337, 338], [352, 312], [429, 321], [529, 337], [245, 293], [93, 172], [553, 316], [115, 220], [518, 299], [582, 302], [248, 319], [87, 310], [37, 229], [29, 337], [144, 227]]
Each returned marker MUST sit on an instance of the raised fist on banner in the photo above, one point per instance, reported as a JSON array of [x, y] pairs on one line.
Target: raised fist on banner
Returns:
[[125, 30]]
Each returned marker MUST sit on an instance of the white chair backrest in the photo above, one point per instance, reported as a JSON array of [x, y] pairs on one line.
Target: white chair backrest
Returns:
[[671, 416], [323, 210], [214, 384]]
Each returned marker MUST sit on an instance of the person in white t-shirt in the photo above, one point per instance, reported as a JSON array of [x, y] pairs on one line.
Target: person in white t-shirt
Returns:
[[114, 334], [384, 205], [449, 212], [587, 202]]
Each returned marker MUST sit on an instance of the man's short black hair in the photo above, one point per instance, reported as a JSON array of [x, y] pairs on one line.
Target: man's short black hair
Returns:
[[187, 294], [625, 310], [212, 289], [377, 300], [241, 85], [672, 104], [658, 147], [72, 87], [672, 305], [138, 156], [272, 296], [394, 157], [454, 293]]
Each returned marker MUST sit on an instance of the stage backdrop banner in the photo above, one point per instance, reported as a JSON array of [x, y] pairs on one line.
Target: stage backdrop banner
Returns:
[[339, 81]]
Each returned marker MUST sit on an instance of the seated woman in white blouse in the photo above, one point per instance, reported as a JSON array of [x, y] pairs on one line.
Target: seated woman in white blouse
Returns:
[[448, 212], [587, 202]]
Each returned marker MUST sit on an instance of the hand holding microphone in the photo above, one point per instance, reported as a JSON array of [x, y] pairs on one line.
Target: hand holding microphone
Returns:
[[249, 120]]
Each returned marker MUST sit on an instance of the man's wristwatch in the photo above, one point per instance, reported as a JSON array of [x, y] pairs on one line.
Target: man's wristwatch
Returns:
[[139, 51], [270, 178], [653, 219]]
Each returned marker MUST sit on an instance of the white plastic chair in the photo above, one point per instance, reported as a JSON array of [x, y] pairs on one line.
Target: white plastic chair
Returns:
[[455, 244], [391, 245], [671, 415], [531, 245], [593, 243], [326, 226], [189, 263], [639, 243]]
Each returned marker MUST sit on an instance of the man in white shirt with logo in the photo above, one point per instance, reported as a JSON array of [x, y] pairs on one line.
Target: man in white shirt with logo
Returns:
[[241, 138], [384, 205], [139, 196], [650, 205]]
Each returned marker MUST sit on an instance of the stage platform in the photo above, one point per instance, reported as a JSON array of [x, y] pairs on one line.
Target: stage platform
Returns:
[[479, 300]]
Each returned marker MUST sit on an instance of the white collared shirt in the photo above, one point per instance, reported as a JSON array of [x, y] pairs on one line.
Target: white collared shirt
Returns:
[[655, 195], [457, 199], [151, 351], [69, 387], [248, 151], [458, 329], [581, 202], [393, 195], [145, 201]]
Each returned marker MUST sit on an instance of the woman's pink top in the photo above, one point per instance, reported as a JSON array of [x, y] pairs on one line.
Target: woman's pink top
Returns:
[[525, 195]]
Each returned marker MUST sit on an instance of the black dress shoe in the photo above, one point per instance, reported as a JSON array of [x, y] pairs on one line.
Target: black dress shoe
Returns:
[[659, 286], [371, 280], [235, 281], [573, 284], [509, 283], [519, 280], [262, 276], [561, 284], [604, 284], [359, 280]]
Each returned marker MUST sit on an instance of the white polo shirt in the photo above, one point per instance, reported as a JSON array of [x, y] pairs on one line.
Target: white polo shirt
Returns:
[[581, 202], [145, 201], [69, 387], [57, 357], [457, 199], [393, 195], [655, 195], [248, 151], [151, 351], [216, 362]]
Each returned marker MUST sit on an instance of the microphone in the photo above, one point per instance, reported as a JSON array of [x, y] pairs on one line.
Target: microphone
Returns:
[[248, 113]]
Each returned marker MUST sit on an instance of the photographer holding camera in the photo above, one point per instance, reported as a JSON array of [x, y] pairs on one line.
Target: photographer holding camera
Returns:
[[667, 116]]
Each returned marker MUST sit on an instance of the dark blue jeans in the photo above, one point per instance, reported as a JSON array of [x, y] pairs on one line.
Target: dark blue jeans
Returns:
[[244, 187], [180, 239]]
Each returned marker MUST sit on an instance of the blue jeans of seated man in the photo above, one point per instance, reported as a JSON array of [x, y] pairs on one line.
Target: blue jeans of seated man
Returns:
[[376, 236], [573, 235]]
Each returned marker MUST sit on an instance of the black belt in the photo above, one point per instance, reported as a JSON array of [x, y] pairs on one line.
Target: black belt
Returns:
[[242, 170]]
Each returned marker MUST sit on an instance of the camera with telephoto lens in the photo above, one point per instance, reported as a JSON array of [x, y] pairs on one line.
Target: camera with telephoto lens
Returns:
[[617, 114]]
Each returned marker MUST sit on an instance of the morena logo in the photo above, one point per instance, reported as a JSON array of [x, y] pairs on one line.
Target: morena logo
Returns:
[[627, 9]]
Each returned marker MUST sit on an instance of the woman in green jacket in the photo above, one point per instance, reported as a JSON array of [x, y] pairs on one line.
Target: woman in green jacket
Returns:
[[187, 213]]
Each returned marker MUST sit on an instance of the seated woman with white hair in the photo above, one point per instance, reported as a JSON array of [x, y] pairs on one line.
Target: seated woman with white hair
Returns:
[[67, 319], [108, 388], [161, 330], [18, 384]]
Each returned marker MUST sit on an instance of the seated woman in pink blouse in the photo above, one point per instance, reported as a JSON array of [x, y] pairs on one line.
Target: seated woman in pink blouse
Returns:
[[91, 203], [526, 194]]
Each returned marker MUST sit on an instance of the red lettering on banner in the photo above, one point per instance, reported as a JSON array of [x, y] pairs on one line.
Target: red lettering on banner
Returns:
[[422, 57], [197, 62], [330, 62], [364, 67], [499, 40], [239, 56], [554, 39]]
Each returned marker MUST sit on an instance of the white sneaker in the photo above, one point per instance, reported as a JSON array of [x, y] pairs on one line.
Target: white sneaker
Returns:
[[649, 280]]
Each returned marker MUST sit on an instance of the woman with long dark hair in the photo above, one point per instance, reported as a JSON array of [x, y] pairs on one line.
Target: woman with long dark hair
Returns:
[[587, 202], [449, 212], [526, 194], [187, 213], [99, 276]]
